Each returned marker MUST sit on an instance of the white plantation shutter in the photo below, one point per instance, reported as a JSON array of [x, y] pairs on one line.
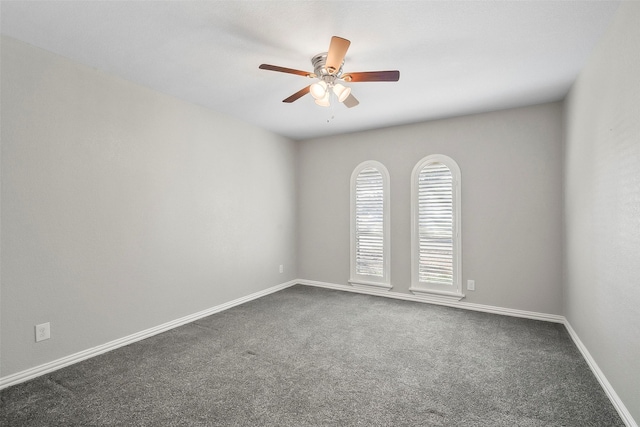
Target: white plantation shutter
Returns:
[[370, 258], [435, 225], [369, 223]]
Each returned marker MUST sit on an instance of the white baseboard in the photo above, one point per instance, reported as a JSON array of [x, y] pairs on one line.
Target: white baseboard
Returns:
[[608, 389], [112, 345], [439, 301], [86, 354]]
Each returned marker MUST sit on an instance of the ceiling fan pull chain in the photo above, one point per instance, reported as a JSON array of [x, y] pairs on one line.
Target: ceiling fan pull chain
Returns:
[[332, 104]]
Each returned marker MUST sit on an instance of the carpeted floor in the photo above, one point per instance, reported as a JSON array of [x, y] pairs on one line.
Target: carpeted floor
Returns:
[[314, 357]]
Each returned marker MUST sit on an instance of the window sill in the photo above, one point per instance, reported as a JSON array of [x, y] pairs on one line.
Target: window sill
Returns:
[[436, 295], [361, 284]]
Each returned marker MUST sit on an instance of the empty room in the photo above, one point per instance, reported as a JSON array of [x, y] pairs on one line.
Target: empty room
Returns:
[[320, 213]]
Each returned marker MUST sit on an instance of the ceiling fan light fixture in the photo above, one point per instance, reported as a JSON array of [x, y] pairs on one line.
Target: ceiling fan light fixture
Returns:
[[318, 90], [341, 91], [324, 101]]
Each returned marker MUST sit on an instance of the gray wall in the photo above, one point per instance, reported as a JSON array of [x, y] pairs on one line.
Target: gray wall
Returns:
[[602, 208], [123, 208], [511, 166]]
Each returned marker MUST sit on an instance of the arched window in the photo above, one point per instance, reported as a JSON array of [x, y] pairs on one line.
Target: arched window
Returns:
[[435, 231], [370, 226]]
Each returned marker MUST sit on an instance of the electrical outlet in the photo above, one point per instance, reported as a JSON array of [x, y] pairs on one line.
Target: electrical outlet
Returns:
[[281, 268], [471, 285], [43, 332]]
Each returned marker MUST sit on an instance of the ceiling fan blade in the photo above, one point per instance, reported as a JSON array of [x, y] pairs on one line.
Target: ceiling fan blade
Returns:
[[299, 94], [285, 70], [337, 51], [351, 101], [372, 76]]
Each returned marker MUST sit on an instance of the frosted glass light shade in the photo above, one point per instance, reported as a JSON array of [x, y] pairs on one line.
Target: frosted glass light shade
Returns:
[[342, 92], [318, 89], [324, 101]]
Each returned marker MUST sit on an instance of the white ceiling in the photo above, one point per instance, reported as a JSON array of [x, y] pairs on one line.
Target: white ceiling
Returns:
[[454, 58]]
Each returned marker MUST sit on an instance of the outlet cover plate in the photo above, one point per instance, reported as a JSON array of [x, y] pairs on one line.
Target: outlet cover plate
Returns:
[[43, 331]]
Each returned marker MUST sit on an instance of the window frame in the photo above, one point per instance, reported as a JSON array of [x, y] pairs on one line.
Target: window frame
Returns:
[[367, 281], [437, 291]]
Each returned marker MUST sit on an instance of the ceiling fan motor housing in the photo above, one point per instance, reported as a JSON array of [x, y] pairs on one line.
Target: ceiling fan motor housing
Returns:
[[321, 71]]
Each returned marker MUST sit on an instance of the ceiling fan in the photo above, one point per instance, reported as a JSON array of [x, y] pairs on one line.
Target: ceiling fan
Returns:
[[327, 68]]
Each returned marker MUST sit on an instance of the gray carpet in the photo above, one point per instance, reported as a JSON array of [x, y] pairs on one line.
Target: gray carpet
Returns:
[[309, 357]]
